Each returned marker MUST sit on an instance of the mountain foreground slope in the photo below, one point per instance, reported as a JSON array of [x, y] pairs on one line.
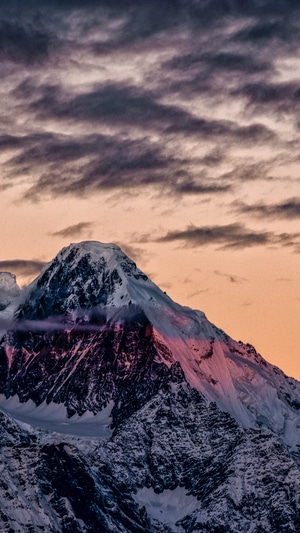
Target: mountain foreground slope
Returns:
[[124, 411]]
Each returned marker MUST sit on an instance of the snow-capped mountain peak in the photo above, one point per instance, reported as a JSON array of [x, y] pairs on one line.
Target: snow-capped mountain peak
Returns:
[[136, 413], [83, 276], [89, 278]]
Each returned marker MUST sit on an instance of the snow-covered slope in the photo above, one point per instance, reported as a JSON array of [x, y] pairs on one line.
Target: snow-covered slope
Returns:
[[97, 288]]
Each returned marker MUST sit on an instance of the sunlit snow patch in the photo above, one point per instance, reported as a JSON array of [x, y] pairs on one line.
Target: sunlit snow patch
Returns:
[[53, 417], [168, 506]]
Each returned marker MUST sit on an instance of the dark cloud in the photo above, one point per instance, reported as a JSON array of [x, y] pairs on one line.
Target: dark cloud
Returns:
[[122, 105], [22, 266], [288, 209], [193, 9], [73, 231], [188, 186], [250, 172], [48, 148], [45, 147], [128, 106], [11, 142], [136, 21], [24, 44], [219, 61], [275, 96], [234, 236], [213, 158], [80, 165], [234, 61], [263, 31], [289, 240], [113, 164], [216, 63], [142, 21], [129, 173], [237, 66]]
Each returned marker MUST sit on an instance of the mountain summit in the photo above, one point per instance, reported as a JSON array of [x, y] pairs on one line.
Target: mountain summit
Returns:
[[148, 399], [83, 276]]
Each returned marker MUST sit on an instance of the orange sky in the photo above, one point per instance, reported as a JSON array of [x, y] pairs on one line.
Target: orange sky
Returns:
[[174, 133]]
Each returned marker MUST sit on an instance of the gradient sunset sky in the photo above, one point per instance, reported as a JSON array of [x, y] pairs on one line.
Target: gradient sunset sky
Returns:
[[172, 129]]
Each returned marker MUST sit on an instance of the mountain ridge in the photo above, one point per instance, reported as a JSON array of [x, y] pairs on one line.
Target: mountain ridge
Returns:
[[95, 285]]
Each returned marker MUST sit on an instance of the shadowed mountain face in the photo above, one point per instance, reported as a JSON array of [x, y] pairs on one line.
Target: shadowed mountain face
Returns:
[[153, 419], [85, 370]]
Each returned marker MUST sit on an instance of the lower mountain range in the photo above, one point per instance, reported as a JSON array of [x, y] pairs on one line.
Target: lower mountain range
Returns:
[[122, 411]]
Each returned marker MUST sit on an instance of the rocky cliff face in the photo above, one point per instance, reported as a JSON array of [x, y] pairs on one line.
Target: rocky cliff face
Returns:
[[153, 419], [178, 464]]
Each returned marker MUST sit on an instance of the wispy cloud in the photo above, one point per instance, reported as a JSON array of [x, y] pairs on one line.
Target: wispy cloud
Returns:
[[273, 97], [232, 236], [126, 105], [74, 231], [80, 165], [197, 292], [134, 252], [288, 209], [22, 267], [230, 277], [228, 236]]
